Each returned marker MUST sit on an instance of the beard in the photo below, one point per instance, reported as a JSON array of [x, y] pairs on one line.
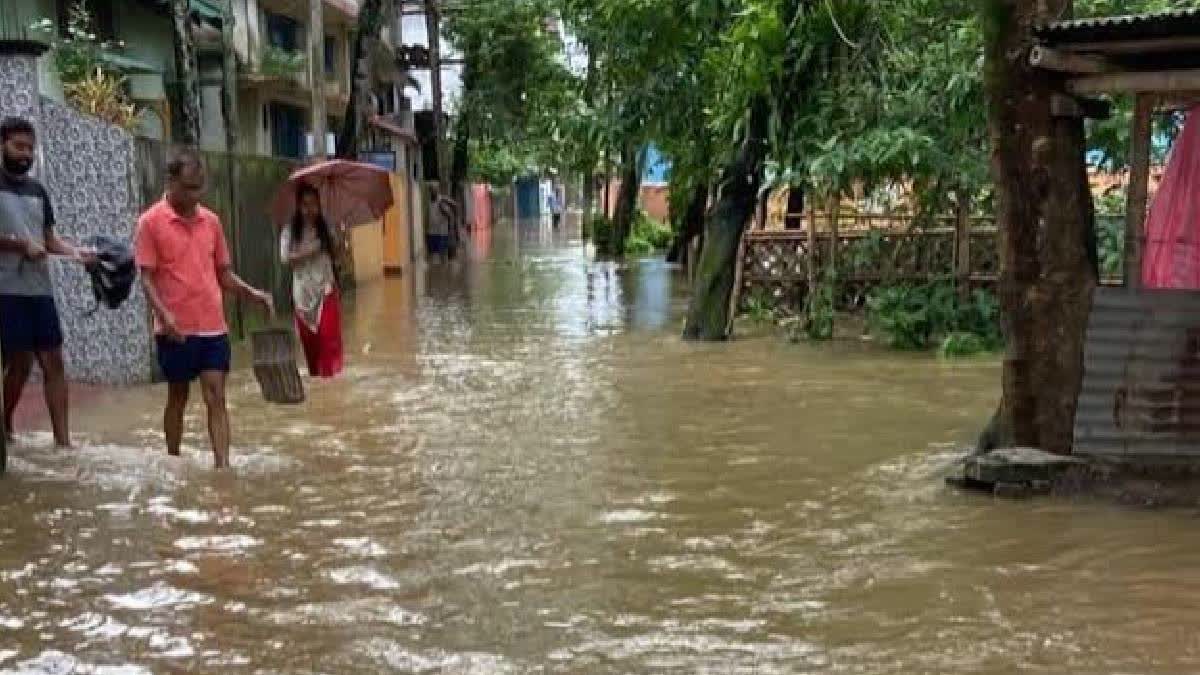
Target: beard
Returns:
[[15, 166]]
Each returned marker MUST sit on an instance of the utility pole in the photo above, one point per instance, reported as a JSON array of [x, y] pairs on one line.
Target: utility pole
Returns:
[[433, 26], [316, 75]]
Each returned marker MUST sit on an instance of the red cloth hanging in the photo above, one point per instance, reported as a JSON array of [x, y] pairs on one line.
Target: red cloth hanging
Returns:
[[1171, 257], [323, 349]]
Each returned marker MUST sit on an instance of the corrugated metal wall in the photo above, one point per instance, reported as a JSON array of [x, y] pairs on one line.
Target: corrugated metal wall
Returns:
[[1141, 385]]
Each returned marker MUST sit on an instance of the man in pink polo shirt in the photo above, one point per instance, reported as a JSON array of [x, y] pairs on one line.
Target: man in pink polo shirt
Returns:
[[181, 251]]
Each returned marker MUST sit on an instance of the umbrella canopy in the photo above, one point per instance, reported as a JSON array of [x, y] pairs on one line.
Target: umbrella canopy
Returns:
[[351, 192]]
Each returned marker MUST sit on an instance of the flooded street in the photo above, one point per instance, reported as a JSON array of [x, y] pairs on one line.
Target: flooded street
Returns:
[[524, 470]]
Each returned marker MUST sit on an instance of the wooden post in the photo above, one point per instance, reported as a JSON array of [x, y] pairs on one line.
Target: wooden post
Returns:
[[1139, 184], [962, 246], [834, 214], [316, 76], [735, 296], [811, 226]]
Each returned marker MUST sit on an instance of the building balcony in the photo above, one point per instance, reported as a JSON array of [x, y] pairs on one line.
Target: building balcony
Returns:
[[336, 11]]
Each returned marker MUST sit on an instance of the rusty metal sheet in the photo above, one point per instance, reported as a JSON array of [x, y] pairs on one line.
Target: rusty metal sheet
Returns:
[[1141, 384], [1174, 23]]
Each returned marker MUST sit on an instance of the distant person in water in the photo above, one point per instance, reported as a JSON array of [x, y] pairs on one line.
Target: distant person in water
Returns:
[[29, 325], [181, 251], [555, 209], [441, 219], [307, 246]]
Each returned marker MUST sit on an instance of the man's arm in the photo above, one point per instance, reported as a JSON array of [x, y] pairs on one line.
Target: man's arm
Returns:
[[51, 242], [56, 246], [165, 317], [29, 249], [232, 283]]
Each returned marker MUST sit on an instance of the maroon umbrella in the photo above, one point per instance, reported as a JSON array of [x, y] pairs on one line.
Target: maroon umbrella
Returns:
[[352, 193]]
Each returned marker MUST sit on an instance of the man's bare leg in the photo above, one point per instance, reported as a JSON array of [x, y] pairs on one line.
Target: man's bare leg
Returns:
[[17, 367], [55, 385], [212, 385], [177, 400]]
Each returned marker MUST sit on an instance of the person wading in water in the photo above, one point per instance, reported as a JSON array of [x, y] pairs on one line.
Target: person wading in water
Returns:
[[29, 323], [181, 251], [307, 247]]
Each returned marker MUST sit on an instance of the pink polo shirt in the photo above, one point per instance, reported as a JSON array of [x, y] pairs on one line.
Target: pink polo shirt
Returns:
[[182, 258]]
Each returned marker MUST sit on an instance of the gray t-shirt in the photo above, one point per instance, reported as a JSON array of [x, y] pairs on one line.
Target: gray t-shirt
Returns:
[[25, 213]]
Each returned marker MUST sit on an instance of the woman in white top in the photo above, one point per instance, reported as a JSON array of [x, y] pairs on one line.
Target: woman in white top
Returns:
[[307, 247]]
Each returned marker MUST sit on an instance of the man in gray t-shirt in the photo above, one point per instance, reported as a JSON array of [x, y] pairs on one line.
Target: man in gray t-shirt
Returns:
[[29, 326]]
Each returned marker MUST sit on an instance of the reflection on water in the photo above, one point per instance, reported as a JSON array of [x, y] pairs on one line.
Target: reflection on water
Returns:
[[523, 470]]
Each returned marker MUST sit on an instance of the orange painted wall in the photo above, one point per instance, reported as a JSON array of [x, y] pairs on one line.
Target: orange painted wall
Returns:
[[397, 228], [653, 199]]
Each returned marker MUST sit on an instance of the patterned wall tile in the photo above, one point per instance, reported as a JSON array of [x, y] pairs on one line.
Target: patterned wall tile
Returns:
[[88, 170], [87, 166]]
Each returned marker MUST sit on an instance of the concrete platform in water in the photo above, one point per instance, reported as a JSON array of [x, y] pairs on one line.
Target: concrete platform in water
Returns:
[[1014, 472]]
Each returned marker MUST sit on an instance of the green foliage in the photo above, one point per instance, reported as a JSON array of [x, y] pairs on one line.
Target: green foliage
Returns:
[[819, 310], [279, 62], [647, 236], [514, 90], [79, 54], [760, 308], [598, 230], [1110, 232], [914, 316], [957, 345], [89, 83]]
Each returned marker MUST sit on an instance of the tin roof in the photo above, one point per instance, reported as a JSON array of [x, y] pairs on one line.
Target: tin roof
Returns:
[[1175, 23], [1141, 385]]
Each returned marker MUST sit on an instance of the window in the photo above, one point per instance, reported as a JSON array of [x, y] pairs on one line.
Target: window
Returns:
[[330, 56], [283, 32], [287, 130]]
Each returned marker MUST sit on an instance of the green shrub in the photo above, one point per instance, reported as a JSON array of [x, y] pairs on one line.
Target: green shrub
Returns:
[[819, 310], [759, 307], [598, 230], [913, 316], [636, 247], [963, 344], [900, 316], [657, 235]]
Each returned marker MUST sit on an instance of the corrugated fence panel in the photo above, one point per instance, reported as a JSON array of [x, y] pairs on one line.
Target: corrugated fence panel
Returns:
[[1141, 385]]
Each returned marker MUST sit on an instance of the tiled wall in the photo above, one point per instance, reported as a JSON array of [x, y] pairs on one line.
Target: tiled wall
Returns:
[[87, 166]]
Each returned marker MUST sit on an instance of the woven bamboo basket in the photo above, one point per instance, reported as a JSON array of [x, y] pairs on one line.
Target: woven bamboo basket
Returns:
[[275, 366]]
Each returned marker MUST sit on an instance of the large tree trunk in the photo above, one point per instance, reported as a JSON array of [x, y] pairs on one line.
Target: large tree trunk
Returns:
[[627, 199], [737, 195], [187, 70], [1045, 218], [370, 20]]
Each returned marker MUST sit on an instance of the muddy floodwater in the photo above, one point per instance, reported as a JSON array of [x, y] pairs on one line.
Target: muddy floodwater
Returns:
[[524, 470]]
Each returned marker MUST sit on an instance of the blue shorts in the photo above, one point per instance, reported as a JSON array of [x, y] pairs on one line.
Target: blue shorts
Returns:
[[29, 323], [182, 362], [437, 243]]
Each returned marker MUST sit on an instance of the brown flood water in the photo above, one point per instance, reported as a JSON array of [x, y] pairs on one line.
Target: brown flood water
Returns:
[[525, 471]]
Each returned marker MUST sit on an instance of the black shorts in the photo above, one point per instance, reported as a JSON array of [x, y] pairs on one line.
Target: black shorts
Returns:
[[29, 323], [184, 361]]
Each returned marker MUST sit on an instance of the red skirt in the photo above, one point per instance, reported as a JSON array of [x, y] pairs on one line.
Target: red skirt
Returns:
[[323, 349]]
